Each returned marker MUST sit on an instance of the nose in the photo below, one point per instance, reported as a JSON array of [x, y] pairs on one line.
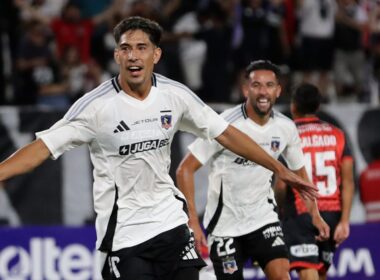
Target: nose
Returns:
[[132, 55]]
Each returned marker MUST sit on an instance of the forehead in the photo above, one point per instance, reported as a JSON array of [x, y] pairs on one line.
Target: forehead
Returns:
[[134, 37], [262, 75]]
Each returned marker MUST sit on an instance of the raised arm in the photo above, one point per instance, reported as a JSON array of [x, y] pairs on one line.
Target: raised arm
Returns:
[[185, 181], [239, 143], [24, 160]]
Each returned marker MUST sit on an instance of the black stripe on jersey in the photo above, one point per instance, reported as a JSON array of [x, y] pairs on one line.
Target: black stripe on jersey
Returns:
[[214, 220], [107, 241], [154, 80], [244, 110], [275, 208], [115, 83], [166, 111], [184, 204]]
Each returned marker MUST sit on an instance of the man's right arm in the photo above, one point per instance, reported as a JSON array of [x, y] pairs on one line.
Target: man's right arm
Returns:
[[24, 160], [185, 181]]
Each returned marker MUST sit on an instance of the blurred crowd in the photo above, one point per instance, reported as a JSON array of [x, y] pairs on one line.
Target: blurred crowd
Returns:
[[54, 51]]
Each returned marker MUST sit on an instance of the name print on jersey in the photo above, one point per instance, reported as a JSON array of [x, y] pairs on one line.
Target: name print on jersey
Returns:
[[318, 141], [142, 146]]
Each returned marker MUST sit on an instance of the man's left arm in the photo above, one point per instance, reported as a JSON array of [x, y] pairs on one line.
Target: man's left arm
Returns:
[[312, 207], [342, 230]]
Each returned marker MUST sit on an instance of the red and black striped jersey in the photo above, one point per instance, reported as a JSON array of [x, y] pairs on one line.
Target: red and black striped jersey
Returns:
[[324, 147]]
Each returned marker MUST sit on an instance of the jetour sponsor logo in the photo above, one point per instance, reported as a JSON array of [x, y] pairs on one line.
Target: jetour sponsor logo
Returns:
[[45, 260]]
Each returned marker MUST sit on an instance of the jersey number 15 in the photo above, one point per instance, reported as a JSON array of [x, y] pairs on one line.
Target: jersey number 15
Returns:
[[318, 161]]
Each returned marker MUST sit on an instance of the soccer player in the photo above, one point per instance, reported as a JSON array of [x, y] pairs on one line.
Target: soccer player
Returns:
[[240, 218], [329, 164], [128, 123]]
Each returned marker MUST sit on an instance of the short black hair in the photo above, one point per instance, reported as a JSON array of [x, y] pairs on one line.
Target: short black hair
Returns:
[[150, 27], [307, 98], [263, 65]]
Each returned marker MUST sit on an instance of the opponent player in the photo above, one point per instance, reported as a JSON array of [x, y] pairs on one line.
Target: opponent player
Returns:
[[329, 164]]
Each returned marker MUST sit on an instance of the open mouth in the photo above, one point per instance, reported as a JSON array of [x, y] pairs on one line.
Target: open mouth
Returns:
[[263, 101], [135, 70]]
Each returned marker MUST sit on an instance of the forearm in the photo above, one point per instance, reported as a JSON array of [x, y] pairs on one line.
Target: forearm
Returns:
[[24, 160], [239, 143], [347, 191], [185, 181]]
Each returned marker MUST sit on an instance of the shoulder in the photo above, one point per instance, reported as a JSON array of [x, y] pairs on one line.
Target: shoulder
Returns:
[[175, 88], [333, 128], [94, 99], [234, 114], [283, 120]]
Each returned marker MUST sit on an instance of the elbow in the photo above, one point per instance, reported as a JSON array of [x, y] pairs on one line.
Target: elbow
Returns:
[[180, 173]]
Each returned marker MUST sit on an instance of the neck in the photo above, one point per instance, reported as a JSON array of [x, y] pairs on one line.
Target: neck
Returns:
[[138, 91]]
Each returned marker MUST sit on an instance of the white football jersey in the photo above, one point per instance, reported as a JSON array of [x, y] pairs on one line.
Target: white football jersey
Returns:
[[129, 140], [240, 198]]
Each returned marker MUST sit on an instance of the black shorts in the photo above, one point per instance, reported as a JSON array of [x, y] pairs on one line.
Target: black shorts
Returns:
[[229, 254], [304, 250], [160, 258]]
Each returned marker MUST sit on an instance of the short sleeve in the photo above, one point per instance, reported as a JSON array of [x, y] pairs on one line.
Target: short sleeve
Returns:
[[293, 154], [204, 149], [202, 121], [68, 134]]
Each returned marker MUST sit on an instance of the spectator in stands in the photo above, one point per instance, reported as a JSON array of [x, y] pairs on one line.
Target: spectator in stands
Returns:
[[349, 63], [70, 29], [38, 78], [49, 9], [370, 186], [81, 77], [217, 33], [316, 28]]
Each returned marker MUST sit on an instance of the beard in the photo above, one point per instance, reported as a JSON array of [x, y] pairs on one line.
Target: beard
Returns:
[[261, 112]]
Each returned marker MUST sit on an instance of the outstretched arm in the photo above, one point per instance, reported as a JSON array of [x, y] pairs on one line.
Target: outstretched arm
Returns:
[[185, 180], [342, 230], [241, 144], [24, 160]]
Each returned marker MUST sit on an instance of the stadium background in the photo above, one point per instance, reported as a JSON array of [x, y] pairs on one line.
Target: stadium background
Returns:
[[46, 216]]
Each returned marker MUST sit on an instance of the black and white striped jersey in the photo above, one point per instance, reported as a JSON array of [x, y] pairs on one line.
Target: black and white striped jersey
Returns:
[[240, 198], [129, 141]]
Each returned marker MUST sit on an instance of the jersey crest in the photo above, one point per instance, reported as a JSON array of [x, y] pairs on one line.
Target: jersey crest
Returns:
[[166, 121], [275, 145]]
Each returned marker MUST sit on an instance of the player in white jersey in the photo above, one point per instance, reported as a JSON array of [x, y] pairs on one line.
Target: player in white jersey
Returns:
[[240, 217], [128, 124]]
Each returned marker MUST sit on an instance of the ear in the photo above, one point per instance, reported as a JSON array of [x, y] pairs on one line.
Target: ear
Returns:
[[244, 88], [116, 56], [279, 90], [157, 55]]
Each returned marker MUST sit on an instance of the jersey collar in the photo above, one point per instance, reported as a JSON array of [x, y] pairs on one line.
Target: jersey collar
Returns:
[[306, 120], [117, 87]]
